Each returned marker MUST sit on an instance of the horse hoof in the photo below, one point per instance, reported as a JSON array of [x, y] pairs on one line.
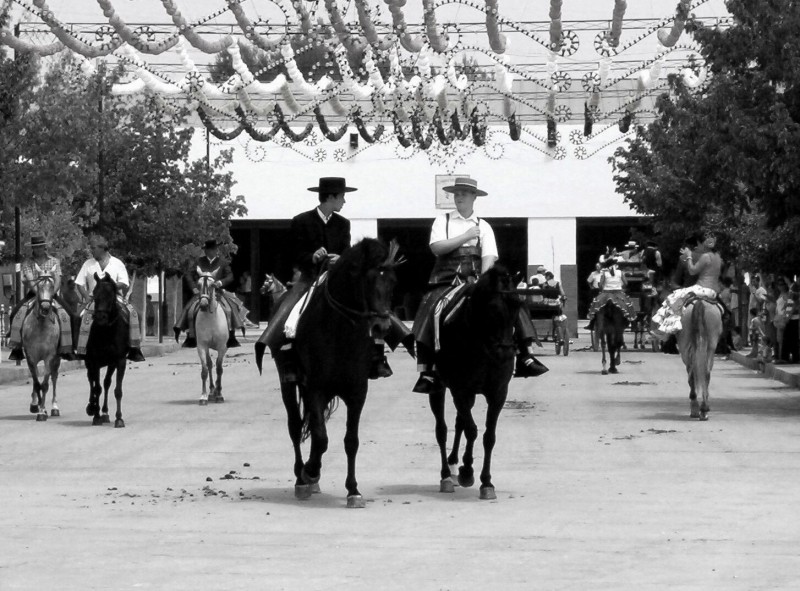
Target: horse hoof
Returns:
[[105, 419], [446, 486], [203, 402], [34, 408], [219, 398], [695, 414], [41, 417], [314, 487], [97, 421], [703, 416], [356, 502], [119, 424], [487, 493], [55, 413], [308, 479], [465, 481], [613, 370], [302, 492], [91, 409], [604, 372]]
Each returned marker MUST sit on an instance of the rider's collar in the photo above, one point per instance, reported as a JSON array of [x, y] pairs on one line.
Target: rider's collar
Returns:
[[472, 217], [325, 219], [210, 260]]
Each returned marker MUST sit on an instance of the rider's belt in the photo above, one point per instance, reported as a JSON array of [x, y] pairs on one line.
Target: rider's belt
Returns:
[[465, 261]]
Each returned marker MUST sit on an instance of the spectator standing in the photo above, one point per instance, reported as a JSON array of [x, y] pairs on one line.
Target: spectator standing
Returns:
[[594, 280], [791, 334], [780, 319], [758, 293]]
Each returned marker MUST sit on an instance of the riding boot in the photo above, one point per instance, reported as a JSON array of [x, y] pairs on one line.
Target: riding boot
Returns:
[[135, 354], [67, 354], [528, 366], [177, 332], [590, 326], [16, 354], [379, 367], [190, 342], [429, 381], [232, 342], [399, 333]]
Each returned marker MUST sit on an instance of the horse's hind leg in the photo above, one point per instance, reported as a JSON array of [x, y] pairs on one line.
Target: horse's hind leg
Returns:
[[295, 425], [452, 459], [489, 437], [436, 404], [55, 364], [351, 444], [218, 392], [119, 423], [319, 437]]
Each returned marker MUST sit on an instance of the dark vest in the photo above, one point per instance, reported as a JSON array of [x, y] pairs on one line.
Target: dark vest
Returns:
[[463, 262]]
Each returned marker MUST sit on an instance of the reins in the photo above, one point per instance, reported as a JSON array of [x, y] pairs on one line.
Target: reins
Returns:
[[347, 311]]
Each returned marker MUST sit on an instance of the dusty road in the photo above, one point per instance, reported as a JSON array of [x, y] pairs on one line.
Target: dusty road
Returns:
[[602, 483]]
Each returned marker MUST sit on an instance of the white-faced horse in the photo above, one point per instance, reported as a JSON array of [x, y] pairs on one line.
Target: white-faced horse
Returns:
[[701, 329], [211, 330], [40, 334]]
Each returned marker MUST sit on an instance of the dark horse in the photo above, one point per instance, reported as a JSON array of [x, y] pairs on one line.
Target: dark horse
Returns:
[[610, 326], [334, 341], [107, 347], [476, 357]]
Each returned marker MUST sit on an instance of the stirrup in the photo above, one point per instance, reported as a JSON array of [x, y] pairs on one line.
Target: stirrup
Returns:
[[380, 369]]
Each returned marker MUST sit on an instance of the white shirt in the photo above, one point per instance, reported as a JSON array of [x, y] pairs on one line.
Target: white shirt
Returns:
[[458, 225], [114, 269]]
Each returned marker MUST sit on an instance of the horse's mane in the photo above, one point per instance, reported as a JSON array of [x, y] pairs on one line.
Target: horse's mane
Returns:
[[365, 254]]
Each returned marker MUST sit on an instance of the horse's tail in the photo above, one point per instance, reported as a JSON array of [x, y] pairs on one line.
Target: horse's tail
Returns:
[[305, 433], [260, 348], [698, 344]]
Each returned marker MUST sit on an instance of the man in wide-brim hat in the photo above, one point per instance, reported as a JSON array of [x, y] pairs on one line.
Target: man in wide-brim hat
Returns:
[[464, 246], [40, 264], [319, 236]]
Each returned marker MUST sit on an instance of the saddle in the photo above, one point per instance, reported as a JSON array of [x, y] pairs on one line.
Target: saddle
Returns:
[[693, 297], [447, 308]]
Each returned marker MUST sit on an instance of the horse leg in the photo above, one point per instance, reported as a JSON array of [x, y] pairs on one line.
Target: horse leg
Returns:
[[119, 423], [55, 364], [436, 404], [452, 459], [351, 443], [106, 387], [319, 438], [204, 371], [602, 340], [93, 407], [489, 438], [294, 422], [613, 354], [464, 404], [220, 358], [37, 396]]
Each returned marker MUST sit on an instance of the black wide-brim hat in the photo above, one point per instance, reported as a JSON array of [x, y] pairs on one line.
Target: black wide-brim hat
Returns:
[[210, 244], [331, 185]]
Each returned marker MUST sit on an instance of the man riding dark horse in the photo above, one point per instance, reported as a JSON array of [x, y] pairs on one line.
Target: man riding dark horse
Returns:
[[103, 263], [40, 264], [465, 247], [213, 264], [320, 236]]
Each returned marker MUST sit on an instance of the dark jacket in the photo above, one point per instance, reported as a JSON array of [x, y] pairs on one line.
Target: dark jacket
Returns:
[[309, 233], [225, 275]]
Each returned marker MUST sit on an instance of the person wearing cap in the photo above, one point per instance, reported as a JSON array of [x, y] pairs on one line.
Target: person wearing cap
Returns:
[[612, 287], [103, 263], [465, 247], [39, 264], [320, 236], [211, 262]]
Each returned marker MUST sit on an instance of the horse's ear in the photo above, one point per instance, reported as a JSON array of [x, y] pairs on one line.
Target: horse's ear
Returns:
[[96, 277], [391, 258]]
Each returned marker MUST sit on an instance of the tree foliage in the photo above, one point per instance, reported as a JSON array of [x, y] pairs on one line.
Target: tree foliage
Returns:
[[726, 157], [90, 161]]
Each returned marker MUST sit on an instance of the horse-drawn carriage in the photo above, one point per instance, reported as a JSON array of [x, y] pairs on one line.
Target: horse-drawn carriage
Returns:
[[545, 305]]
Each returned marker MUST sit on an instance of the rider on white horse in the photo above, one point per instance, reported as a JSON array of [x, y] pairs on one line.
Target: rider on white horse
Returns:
[[708, 269], [235, 312], [39, 265]]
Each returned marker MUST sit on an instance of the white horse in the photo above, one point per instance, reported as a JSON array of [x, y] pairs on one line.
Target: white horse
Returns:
[[211, 330], [40, 334]]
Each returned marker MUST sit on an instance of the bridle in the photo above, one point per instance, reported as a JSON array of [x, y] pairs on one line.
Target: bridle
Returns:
[[207, 291], [351, 313], [44, 278]]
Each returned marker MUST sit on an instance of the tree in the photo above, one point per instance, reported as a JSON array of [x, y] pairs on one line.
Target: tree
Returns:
[[118, 165], [726, 157]]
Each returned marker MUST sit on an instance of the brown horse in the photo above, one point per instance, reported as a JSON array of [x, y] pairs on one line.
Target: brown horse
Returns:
[[701, 324], [40, 334], [610, 323]]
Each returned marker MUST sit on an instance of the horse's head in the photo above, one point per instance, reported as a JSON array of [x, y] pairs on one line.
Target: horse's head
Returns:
[[207, 288], [493, 308], [45, 291], [104, 296], [363, 279]]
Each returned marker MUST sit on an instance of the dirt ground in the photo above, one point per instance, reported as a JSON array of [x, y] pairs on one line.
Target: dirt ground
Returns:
[[603, 482]]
